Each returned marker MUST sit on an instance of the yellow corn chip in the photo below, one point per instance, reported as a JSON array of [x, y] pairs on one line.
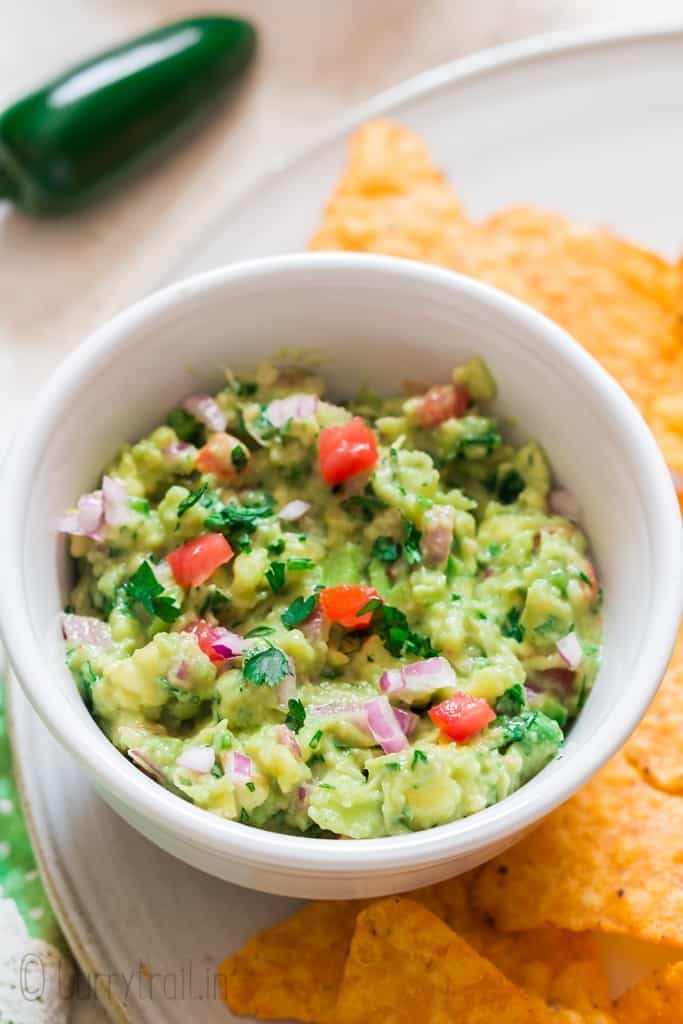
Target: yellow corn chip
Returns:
[[406, 965], [611, 859], [293, 970], [620, 301], [656, 1000], [561, 967], [655, 748]]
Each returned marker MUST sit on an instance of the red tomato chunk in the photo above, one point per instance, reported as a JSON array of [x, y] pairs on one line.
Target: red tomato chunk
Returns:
[[346, 450], [194, 562], [461, 716], [342, 604]]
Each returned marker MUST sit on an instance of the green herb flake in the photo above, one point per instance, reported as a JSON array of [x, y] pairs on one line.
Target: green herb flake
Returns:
[[585, 579], [419, 756], [411, 543], [392, 766], [315, 739], [217, 772], [512, 627], [245, 517], [259, 631], [244, 817], [267, 667], [144, 590], [187, 427], [191, 500], [276, 576], [140, 505], [277, 546], [226, 742], [512, 702], [244, 388], [215, 601], [238, 457], [386, 549], [510, 487], [391, 626], [326, 785], [296, 715], [251, 786], [298, 610], [300, 564]]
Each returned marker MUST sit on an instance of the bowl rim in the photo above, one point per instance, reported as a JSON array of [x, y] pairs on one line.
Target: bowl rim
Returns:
[[301, 854]]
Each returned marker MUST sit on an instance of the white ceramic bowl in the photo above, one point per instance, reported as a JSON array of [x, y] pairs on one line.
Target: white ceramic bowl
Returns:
[[373, 320]]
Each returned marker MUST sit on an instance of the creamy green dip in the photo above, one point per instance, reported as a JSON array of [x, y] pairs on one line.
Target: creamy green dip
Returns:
[[204, 628]]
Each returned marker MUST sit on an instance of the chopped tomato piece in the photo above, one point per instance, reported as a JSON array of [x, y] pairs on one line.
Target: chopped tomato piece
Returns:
[[443, 403], [194, 562], [342, 604], [206, 637], [462, 715], [223, 455], [346, 450]]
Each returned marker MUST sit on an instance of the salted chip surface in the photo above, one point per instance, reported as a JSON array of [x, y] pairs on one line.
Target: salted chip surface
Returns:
[[655, 748], [406, 965], [655, 1000], [293, 970], [621, 302], [611, 860]]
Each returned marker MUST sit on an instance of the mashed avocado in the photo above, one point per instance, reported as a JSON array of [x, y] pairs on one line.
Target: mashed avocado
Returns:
[[357, 620]]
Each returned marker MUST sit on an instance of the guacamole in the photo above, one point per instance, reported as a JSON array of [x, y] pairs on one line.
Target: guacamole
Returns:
[[358, 619]]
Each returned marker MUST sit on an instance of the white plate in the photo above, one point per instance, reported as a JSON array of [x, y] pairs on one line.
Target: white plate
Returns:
[[589, 127]]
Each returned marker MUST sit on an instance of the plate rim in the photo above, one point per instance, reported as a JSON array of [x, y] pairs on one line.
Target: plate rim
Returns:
[[540, 46], [537, 47]]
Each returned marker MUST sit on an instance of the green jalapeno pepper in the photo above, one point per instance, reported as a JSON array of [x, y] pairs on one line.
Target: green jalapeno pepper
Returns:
[[78, 136]]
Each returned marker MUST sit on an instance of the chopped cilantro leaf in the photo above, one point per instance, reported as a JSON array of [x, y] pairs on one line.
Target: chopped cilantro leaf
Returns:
[[296, 715], [259, 631], [299, 609], [299, 564], [512, 627], [251, 786], [267, 667], [276, 576], [393, 766], [419, 756], [238, 457], [246, 517], [244, 388], [217, 771], [191, 500], [277, 547], [493, 550], [215, 601], [411, 543], [510, 487], [391, 626], [386, 549], [88, 680], [226, 742], [585, 579], [326, 785], [244, 817], [144, 590], [489, 439], [187, 427], [315, 739], [512, 702], [362, 506]]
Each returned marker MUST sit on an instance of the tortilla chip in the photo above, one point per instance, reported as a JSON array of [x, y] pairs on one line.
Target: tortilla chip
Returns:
[[655, 748], [621, 302], [611, 860], [406, 964], [563, 968], [293, 970], [656, 1000]]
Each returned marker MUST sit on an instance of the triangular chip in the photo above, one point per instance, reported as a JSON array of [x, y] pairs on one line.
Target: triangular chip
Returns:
[[656, 1000], [621, 302], [611, 859], [406, 965], [655, 748]]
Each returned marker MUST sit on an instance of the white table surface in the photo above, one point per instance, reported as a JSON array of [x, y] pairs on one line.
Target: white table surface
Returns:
[[60, 278]]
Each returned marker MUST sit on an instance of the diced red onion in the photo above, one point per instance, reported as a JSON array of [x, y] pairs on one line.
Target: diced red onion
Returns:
[[204, 408], [197, 759], [559, 681], [294, 510], [115, 502], [407, 720], [570, 651], [141, 761], [238, 766], [437, 536], [384, 726], [314, 626], [86, 629], [294, 407], [420, 679], [88, 520], [287, 738], [302, 796], [352, 712], [178, 452], [563, 503], [226, 644]]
